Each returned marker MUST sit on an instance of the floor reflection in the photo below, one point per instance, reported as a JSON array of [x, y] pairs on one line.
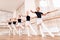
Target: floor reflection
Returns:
[[25, 37]]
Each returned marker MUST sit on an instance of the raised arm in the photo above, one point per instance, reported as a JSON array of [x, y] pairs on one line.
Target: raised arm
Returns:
[[52, 11], [44, 14], [32, 11]]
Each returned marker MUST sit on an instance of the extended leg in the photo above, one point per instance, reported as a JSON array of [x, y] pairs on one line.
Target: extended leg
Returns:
[[40, 28], [31, 27], [47, 29]]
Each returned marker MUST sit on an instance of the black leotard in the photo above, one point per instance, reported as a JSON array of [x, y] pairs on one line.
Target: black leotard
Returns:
[[9, 23], [38, 14], [19, 20], [14, 22], [27, 18]]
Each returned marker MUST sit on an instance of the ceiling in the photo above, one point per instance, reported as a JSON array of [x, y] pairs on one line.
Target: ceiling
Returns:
[[10, 5]]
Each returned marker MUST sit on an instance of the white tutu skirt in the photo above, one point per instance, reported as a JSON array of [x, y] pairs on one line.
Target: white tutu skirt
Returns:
[[39, 20]]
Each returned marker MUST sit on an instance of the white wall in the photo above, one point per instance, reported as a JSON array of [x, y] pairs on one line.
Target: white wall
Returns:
[[4, 16]]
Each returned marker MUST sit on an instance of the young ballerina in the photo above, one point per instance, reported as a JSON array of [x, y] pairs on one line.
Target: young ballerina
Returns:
[[10, 26], [28, 25], [40, 21], [14, 22], [20, 26]]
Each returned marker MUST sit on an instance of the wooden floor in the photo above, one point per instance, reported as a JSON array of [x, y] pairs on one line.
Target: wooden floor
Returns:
[[25, 37]]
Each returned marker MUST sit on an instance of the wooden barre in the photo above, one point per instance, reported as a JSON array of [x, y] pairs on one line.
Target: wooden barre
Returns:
[[52, 18]]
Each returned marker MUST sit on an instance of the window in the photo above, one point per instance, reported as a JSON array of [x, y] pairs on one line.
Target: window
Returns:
[[56, 3]]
